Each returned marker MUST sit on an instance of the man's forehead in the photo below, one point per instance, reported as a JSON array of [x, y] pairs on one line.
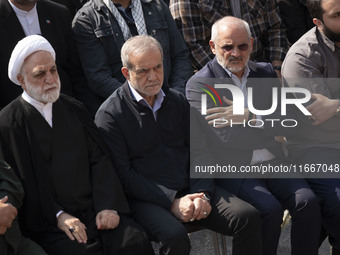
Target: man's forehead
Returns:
[[147, 59]]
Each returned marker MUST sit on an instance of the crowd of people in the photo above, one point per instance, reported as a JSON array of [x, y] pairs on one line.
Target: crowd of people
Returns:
[[106, 111]]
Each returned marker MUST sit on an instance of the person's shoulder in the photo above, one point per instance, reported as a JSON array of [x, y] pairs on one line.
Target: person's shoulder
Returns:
[[72, 103], [306, 45], [261, 69], [207, 70], [55, 7], [10, 114], [175, 95], [114, 104], [91, 10]]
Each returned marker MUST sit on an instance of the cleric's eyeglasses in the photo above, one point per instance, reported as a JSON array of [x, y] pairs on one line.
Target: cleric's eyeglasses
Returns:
[[227, 48]]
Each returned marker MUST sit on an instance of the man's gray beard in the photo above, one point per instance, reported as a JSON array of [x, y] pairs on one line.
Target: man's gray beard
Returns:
[[222, 63], [37, 94]]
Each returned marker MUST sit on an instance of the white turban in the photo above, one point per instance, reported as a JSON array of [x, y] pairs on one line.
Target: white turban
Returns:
[[22, 50]]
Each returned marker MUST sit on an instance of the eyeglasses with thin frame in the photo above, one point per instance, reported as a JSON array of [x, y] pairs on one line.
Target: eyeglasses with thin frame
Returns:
[[227, 48]]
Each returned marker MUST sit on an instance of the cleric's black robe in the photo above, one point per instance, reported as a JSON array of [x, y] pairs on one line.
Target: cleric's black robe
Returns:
[[73, 174]]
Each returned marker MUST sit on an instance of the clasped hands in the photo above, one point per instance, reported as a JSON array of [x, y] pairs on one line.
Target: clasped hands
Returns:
[[191, 207], [7, 214], [76, 230]]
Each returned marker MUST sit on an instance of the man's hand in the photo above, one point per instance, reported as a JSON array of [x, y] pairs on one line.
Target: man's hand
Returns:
[[225, 114], [72, 227], [202, 208], [7, 214], [107, 219], [322, 108], [183, 208]]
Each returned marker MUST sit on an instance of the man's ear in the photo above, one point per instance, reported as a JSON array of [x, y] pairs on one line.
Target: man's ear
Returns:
[[125, 72], [21, 79], [251, 44], [212, 47], [318, 23]]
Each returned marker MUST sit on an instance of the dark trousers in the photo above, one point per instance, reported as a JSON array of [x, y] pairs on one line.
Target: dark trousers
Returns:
[[271, 197], [328, 190], [127, 239], [229, 216]]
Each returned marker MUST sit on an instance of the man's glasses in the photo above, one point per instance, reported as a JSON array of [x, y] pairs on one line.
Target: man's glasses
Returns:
[[227, 48]]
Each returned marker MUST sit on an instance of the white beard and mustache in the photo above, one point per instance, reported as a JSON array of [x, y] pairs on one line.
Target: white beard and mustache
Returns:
[[42, 96], [234, 69]]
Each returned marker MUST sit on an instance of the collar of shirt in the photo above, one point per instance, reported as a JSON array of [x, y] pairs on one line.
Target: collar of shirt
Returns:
[[28, 19], [158, 101], [44, 109], [240, 83]]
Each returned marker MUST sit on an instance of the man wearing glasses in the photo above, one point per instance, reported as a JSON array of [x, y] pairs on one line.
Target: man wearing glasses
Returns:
[[246, 146]]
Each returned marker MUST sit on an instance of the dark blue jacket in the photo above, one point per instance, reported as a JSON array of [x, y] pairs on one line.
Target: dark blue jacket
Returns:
[[234, 145]]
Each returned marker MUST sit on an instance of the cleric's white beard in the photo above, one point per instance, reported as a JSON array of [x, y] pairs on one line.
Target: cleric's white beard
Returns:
[[41, 96]]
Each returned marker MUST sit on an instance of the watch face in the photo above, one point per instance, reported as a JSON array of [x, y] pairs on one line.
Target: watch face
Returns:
[[206, 197]]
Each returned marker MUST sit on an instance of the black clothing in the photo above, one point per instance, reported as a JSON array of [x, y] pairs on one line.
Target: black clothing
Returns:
[[152, 160], [62, 168]]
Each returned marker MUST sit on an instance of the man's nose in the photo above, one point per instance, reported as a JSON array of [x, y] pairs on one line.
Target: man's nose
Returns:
[[152, 75], [49, 78], [235, 52]]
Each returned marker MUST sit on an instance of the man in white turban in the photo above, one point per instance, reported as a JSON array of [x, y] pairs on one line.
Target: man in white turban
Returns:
[[72, 191]]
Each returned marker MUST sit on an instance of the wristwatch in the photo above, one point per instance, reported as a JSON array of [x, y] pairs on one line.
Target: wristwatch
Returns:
[[206, 197], [277, 68]]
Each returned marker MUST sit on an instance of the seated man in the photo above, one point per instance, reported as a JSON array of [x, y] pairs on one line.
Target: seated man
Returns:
[[314, 64], [102, 26], [146, 126], [74, 203], [12, 194], [240, 145]]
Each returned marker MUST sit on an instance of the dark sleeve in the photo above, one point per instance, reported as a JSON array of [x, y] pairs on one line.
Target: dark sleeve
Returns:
[[107, 191], [135, 184], [10, 185], [276, 41], [93, 57], [199, 154], [181, 68]]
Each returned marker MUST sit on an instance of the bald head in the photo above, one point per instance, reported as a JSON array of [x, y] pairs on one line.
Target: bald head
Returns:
[[227, 23]]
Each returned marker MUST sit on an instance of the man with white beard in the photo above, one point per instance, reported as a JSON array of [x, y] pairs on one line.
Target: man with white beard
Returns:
[[71, 191]]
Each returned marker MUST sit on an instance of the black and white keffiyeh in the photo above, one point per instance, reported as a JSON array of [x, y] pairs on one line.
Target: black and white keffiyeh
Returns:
[[137, 14]]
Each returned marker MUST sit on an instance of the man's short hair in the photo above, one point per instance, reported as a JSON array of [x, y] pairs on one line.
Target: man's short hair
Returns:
[[239, 22], [138, 45], [315, 9]]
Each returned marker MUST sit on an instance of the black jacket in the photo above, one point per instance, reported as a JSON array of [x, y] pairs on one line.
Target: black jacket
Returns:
[[151, 157]]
